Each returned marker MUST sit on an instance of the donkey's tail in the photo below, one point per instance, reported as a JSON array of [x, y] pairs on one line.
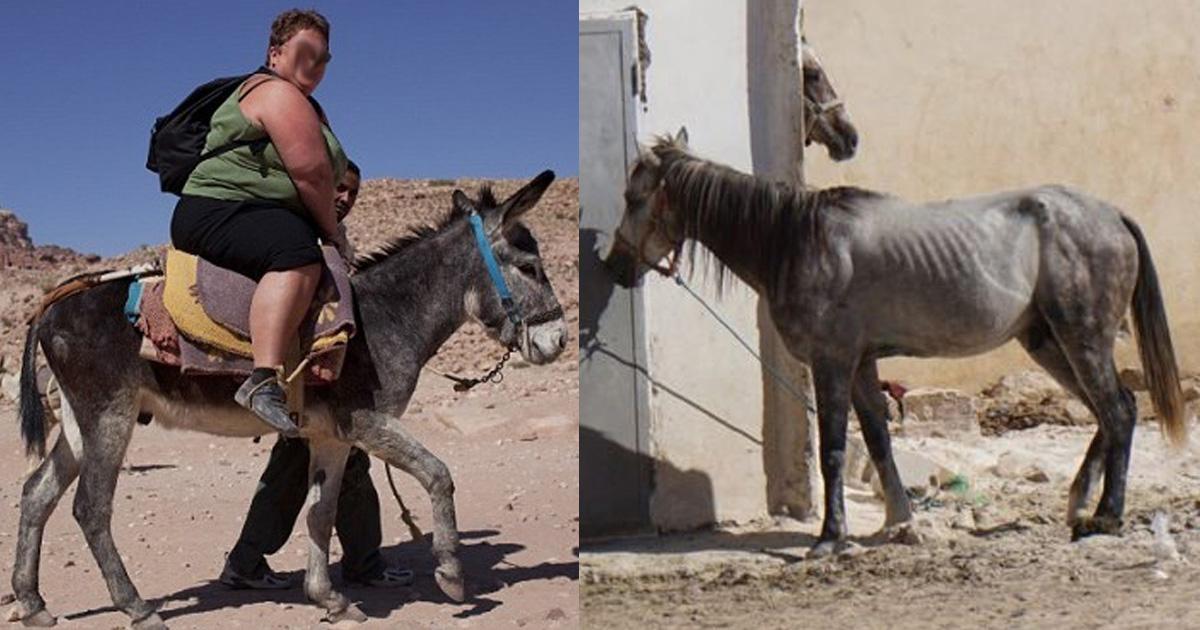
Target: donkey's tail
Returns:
[[33, 416], [1154, 343]]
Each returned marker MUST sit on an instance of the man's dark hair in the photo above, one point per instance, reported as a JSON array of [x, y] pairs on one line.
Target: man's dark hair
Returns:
[[353, 168]]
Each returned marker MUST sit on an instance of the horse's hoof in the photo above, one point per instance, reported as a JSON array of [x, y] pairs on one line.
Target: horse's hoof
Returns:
[[350, 613], [39, 619], [904, 534], [452, 584], [1095, 525], [153, 622], [826, 548]]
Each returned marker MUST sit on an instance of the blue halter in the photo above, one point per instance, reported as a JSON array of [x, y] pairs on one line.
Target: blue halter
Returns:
[[489, 259]]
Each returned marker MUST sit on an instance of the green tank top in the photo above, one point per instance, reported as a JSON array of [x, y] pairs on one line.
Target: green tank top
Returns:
[[242, 174]]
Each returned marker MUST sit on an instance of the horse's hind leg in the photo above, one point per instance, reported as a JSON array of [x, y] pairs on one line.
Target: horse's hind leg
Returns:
[[326, 464], [106, 435], [1116, 410], [40, 495], [870, 406], [1041, 345], [383, 437], [1089, 353]]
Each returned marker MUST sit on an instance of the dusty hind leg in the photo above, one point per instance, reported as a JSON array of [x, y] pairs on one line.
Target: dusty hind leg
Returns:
[[39, 497], [326, 465], [105, 437], [1090, 357], [384, 437], [871, 407], [1041, 345]]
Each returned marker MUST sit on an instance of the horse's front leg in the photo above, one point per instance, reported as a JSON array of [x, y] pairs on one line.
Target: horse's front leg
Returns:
[[382, 436], [832, 382], [326, 464], [871, 407]]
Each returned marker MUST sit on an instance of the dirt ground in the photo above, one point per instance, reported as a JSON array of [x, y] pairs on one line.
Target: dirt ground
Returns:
[[513, 451], [995, 555]]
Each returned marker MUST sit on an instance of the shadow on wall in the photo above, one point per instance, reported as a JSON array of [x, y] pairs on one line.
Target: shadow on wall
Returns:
[[594, 296], [593, 301], [618, 483], [690, 500]]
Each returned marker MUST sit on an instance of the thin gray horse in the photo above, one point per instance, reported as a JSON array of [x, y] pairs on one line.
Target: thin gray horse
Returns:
[[410, 297], [853, 276]]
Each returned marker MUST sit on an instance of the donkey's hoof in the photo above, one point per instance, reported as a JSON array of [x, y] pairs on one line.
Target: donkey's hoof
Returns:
[[39, 619], [1085, 527], [826, 548], [153, 622], [451, 583], [350, 613]]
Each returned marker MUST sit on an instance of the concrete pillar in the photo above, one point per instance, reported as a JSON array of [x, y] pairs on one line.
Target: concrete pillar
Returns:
[[775, 86]]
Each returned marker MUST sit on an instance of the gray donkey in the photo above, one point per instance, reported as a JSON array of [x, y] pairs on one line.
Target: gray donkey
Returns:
[[853, 276], [409, 298]]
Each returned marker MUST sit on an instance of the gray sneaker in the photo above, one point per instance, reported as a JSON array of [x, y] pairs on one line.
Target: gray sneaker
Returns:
[[268, 401], [391, 577], [269, 580]]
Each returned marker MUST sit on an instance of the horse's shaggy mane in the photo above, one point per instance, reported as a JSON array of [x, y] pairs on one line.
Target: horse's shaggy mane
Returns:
[[741, 214]]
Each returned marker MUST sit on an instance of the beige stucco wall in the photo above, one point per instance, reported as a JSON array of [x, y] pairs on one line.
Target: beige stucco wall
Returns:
[[957, 98]]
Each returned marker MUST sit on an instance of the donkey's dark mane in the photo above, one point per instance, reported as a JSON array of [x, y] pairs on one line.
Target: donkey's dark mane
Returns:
[[416, 234], [738, 214]]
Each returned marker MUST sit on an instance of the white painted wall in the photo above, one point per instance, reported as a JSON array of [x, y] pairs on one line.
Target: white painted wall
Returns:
[[706, 401]]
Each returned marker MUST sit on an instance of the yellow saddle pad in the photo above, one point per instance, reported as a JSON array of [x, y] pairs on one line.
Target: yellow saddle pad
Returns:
[[182, 301]]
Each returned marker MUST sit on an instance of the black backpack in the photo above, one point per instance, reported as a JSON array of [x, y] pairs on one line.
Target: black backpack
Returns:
[[177, 139]]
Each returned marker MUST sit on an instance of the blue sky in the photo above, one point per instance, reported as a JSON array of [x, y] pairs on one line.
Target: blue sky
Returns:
[[416, 89]]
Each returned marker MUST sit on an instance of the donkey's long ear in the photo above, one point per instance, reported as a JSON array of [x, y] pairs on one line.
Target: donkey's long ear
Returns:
[[462, 203], [525, 199]]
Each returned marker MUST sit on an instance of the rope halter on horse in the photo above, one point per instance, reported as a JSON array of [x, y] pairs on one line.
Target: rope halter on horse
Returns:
[[814, 110], [639, 249]]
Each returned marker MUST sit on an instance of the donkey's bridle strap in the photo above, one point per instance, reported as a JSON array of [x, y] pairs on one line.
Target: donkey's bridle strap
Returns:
[[489, 260]]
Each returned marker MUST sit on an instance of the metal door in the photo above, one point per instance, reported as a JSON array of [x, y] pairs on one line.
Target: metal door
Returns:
[[614, 467]]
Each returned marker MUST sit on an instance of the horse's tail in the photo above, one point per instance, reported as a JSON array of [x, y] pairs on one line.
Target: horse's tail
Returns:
[[1154, 343], [33, 415]]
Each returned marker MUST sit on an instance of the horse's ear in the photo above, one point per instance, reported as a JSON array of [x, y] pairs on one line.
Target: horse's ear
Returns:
[[462, 203], [524, 199], [682, 137]]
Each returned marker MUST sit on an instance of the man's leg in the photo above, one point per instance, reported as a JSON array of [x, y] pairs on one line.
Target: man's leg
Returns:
[[282, 491], [358, 526]]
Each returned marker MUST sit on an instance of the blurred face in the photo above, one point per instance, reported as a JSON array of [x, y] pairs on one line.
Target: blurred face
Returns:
[[346, 194], [301, 59]]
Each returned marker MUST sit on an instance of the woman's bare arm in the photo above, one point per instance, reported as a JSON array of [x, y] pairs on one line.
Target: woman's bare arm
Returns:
[[289, 119]]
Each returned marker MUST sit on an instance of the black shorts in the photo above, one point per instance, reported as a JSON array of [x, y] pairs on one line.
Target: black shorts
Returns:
[[249, 237]]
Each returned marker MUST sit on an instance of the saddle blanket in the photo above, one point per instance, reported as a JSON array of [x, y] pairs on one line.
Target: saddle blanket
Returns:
[[197, 317]]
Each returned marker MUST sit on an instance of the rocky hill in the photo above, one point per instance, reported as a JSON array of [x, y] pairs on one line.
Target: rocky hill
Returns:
[[386, 209]]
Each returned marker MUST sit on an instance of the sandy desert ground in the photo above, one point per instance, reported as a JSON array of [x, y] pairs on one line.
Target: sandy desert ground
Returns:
[[181, 503]]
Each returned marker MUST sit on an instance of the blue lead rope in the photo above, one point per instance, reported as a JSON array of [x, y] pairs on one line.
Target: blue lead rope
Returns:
[[489, 259]]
